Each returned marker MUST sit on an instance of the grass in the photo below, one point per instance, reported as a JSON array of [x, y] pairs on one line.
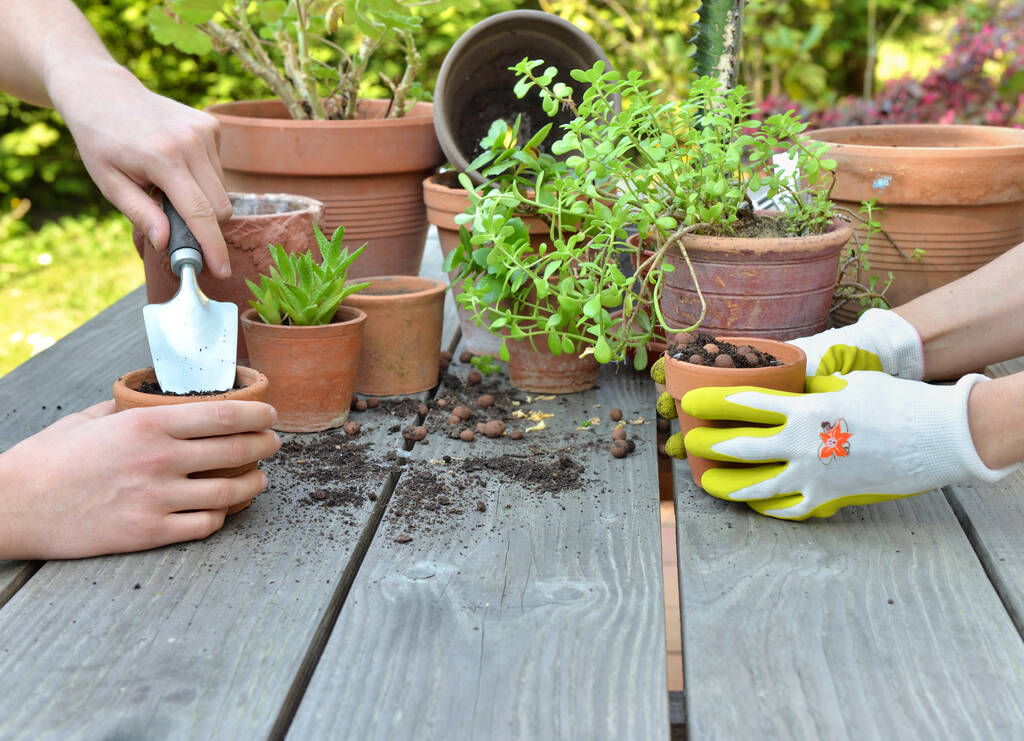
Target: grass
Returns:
[[54, 279]]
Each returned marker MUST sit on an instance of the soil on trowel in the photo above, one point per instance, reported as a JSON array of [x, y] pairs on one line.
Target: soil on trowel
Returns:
[[704, 349]]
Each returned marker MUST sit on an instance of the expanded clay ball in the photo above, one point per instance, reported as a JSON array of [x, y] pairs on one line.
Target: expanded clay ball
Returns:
[[466, 356], [454, 420], [422, 410], [462, 412], [445, 359], [494, 428], [516, 435], [724, 361], [361, 405], [615, 414], [442, 403], [619, 434], [711, 348], [351, 428], [474, 377], [484, 401], [480, 427], [696, 359], [372, 402], [414, 433], [467, 435], [619, 449]]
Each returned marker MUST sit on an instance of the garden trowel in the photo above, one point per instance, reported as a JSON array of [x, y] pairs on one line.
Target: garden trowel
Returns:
[[192, 339]]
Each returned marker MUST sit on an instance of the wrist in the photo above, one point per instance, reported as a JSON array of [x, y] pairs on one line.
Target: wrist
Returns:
[[92, 79], [991, 409]]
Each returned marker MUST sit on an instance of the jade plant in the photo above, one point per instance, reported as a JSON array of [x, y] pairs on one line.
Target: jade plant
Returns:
[[296, 47], [301, 292], [660, 168]]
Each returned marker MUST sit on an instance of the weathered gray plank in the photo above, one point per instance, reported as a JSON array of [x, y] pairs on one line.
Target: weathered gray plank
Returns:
[[540, 617], [992, 516], [878, 623]]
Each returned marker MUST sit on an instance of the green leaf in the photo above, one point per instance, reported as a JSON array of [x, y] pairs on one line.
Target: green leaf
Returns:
[[183, 37], [602, 352], [592, 307]]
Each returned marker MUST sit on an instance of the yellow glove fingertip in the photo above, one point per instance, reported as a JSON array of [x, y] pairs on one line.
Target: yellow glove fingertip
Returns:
[[674, 446], [666, 406]]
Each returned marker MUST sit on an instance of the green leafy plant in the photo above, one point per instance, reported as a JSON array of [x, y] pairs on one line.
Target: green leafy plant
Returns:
[[660, 168], [485, 364], [294, 47], [301, 292]]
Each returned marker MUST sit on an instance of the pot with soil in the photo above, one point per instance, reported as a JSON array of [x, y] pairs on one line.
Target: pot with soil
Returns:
[[258, 220], [445, 199], [954, 192], [475, 86], [139, 388], [368, 171], [748, 361], [759, 283], [313, 368], [401, 350]]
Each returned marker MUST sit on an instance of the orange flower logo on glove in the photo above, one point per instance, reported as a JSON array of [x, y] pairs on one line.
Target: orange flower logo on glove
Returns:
[[834, 441]]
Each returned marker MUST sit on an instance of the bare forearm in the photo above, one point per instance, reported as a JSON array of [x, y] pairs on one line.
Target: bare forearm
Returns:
[[995, 413], [974, 321], [46, 45]]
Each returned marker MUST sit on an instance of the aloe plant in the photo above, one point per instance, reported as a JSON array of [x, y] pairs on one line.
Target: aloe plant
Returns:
[[301, 291]]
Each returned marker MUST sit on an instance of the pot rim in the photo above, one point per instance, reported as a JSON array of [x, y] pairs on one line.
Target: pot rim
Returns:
[[1014, 140], [428, 288], [774, 347], [250, 378], [421, 114], [838, 230], [307, 204], [250, 319]]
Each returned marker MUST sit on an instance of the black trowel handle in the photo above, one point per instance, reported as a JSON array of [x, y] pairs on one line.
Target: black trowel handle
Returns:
[[182, 246]]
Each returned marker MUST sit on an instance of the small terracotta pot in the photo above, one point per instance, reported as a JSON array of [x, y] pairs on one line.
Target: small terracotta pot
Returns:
[[367, 172], [259, 220], [775, 288], [681, 376], [532, 367], [312, 369], [953, 191], [254, 386], [401, 351], [445, 199]]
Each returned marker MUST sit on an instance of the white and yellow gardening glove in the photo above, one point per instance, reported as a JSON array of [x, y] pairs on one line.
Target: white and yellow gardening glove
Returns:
[[880, 340], [851, 439]]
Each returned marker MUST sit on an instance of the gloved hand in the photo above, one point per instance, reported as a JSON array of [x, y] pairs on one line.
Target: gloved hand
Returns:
[[851, 439], [666, 407], [880, 340]]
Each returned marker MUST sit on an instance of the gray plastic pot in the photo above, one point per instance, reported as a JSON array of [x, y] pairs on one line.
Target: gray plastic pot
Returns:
[[474, 86]]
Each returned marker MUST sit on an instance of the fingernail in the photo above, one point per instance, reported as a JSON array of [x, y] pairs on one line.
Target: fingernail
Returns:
[[277, 440], [225, 271], [152, 237], [273, 416], [265, 481]]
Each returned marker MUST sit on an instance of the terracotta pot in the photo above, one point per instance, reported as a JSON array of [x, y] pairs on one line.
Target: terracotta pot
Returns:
[[776, 288], [474, 85], [366, 171], [312, 369], [253, 387], [401, 351], [533, 368], [954, 191], [681, 376], [445, 199], [259, 220]]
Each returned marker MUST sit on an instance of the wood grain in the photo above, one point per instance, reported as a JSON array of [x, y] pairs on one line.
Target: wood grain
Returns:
[[877, 623], [540, 617]]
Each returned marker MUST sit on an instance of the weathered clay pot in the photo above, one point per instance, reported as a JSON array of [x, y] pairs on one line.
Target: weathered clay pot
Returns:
[[681, 376], [312, 370], [253, 386], [401, 351], [259, 220], [954, 191], [532, 367], [367, 172], [775, 288], [474, 85], [445, 199]]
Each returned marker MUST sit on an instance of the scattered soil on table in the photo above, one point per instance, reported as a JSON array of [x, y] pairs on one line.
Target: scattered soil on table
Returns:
[[704, 349]]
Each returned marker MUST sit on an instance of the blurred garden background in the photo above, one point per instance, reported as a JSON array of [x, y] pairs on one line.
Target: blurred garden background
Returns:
[[65, 255]]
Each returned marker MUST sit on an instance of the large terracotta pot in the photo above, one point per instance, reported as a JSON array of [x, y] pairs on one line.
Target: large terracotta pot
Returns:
[[252, 386], [312, 369], [957, 192], [367, 172], [775, 288], [401, 351], [259, 220], [445, 199], [681, 376], [532, 367], [475, 85]]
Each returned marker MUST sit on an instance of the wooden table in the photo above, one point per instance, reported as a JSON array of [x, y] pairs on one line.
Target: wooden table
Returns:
[[537, 616]]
